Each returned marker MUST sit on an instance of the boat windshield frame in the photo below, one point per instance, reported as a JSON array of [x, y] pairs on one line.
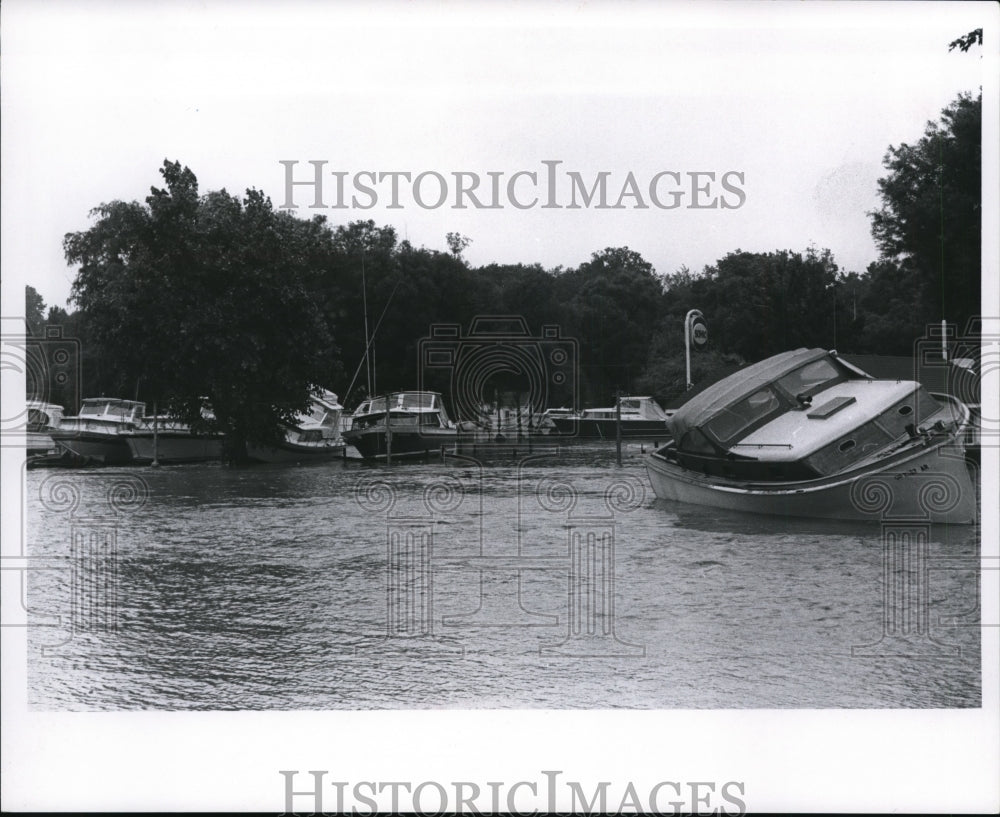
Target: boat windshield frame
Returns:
[[790, 390], [738, 419]]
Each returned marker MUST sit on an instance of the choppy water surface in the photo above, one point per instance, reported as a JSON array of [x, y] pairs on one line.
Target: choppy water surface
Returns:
[[458, 585]]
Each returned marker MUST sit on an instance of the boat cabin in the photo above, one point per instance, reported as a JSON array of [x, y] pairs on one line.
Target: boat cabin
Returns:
[[632, 408], [799, 415], [112, 409], [42, 416], [406, 409]]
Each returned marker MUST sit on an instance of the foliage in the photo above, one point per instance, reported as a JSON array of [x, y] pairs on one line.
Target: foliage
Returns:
[[929, 223], [34, 311], [207, 297], [759, 304], [966, 42]]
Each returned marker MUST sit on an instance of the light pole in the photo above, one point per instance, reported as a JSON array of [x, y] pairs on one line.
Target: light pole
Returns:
[[693, 319]]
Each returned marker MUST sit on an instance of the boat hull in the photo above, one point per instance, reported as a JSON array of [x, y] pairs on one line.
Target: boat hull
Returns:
[[371, 443], [93, 446], [931, 483], [39, 442], [605, 429], [295, 452], [174, 448]]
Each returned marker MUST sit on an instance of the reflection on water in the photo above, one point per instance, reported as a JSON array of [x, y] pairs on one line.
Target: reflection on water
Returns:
[[559, 583]]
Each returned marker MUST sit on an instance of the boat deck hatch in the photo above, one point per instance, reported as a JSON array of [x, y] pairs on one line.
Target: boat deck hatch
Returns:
[[831, 407]]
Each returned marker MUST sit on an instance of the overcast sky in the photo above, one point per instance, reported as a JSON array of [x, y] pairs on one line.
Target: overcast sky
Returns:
[[802, 100]]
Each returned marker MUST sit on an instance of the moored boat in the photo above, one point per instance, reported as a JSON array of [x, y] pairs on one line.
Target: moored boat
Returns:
[[43, 419], [97, 433], [313, 436], [171, 441], [418, 424], [640, 417], [804, 433]]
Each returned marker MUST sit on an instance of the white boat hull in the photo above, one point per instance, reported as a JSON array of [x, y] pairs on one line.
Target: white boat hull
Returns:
[[930, 483], [107, 449], [174, 448], [39, 442]]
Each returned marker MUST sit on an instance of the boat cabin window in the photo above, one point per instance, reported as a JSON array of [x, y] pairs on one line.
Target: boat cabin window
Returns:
[[37, 419], [417, 400], [807, 379], [740, 416], [93, 407], [317, 413], [694, 442]]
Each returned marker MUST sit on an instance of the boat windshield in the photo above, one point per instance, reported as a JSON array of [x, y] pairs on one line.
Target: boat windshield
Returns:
[[806, 378], [115, 408], [423, 400], [728, 424], [318, 412]]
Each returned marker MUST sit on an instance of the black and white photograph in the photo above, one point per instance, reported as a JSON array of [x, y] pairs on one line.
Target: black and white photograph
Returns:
[[455, 407]]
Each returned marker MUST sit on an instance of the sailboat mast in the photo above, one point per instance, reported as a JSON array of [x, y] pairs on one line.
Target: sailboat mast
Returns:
[[364, 299]]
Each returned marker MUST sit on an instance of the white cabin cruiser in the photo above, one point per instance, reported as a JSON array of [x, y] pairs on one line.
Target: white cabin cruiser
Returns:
[[804, 433], [98, 432], [313, 436], [418, 425]]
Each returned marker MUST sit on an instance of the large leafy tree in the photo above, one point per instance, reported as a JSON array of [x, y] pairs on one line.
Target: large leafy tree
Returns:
[[929, 224], [207, 297], [612, 304], [759, 304]]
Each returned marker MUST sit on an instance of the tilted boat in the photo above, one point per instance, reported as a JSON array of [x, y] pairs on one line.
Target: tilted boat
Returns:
[[418, 425], [98, 432], [640, 417], [313, 436], [804, 433]]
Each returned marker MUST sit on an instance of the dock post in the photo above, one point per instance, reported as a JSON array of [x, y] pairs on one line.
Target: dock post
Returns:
[[156, 438], [388, 432], [618, 426]]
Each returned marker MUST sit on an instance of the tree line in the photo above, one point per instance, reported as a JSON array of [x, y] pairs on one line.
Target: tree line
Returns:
[[191, 297]]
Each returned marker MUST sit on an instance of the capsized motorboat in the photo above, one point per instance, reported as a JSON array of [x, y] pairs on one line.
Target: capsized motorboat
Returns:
[[804, 433]]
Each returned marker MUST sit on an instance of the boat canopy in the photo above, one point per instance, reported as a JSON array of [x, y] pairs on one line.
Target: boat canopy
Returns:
[[706, 404]]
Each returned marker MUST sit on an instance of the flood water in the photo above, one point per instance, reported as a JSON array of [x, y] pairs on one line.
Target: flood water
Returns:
[[556, 582]]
